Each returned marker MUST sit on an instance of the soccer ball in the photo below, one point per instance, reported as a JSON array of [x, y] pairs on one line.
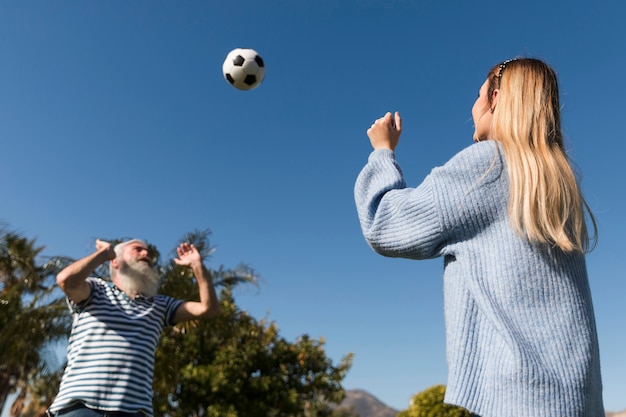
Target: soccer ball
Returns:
[[243, 68]]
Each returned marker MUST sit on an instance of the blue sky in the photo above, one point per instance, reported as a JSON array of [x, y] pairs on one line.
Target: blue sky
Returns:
[[115, 120]]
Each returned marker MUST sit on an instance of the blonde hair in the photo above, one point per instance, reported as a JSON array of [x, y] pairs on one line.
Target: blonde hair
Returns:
[[545, 202]]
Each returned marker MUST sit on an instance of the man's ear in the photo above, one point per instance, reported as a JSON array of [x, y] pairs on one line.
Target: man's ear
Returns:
[[114, 263]]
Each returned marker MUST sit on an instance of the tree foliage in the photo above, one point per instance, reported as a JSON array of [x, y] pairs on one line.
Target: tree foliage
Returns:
[[429, 403], [32, 314], [235, 365], [231, 366], [344, 412]]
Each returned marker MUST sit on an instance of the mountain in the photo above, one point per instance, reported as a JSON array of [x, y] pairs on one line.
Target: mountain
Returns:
[[366, 405]]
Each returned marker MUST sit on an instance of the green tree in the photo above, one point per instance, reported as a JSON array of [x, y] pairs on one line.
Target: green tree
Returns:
[[429, 403], [344, 412], [32, 315], [230, 366], [237, 366]]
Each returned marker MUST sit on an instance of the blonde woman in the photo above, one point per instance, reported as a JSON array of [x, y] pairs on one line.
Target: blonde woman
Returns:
[[507, 216]]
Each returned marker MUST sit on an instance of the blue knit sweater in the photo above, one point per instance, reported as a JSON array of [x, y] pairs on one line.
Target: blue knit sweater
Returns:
[[520, 328]]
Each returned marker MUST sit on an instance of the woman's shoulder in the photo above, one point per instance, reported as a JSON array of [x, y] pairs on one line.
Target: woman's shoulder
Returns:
[[478, 157], [481, 162], [478, 153]]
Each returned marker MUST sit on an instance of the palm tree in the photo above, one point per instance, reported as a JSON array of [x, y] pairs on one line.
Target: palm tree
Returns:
[[27, 365], [32, 313]]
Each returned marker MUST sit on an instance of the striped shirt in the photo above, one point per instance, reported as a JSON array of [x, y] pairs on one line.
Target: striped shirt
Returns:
[[110, 360]]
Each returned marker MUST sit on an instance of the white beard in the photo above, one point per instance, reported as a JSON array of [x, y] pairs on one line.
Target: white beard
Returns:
[[137, 277]]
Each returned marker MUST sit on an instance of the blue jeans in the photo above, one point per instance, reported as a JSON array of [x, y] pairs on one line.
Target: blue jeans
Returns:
[[79, 410]]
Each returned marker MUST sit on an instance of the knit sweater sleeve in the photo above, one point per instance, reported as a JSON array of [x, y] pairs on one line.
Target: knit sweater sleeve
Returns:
[[420, 222]]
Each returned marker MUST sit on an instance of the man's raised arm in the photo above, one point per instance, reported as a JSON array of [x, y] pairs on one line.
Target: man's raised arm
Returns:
[[208, 306], [72, 278]]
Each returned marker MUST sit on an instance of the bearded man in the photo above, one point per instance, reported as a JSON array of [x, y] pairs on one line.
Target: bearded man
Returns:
[[117, 326]]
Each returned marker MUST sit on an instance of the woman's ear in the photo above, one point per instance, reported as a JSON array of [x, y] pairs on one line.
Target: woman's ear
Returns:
[[494, 99]]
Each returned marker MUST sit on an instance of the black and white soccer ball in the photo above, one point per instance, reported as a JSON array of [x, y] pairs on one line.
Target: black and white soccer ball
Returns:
[[244, 68]]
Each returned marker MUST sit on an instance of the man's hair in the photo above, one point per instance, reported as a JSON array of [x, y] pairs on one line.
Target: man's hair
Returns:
[[545, 202]]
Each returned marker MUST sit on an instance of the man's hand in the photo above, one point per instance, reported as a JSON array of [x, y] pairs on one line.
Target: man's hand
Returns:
[[105, 247], [188, 255]]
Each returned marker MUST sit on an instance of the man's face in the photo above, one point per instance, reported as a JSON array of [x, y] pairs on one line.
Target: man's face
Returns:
[[135, 271], [136, 252]]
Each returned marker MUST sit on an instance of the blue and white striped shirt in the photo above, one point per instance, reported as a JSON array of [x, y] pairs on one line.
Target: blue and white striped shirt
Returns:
[[111, 350]]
